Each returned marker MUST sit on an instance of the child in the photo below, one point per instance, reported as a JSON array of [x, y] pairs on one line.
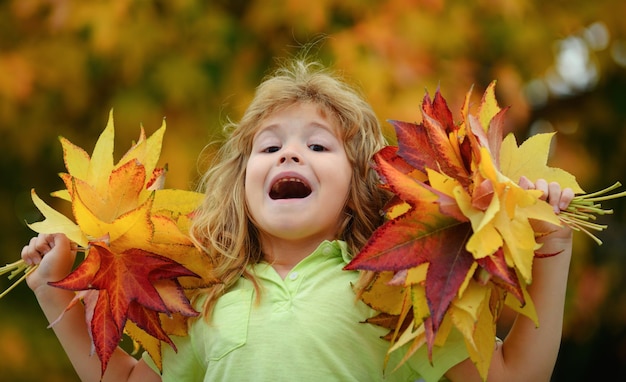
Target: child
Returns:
[[291, 198]]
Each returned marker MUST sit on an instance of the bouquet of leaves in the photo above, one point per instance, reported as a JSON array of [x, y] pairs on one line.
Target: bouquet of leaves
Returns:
[[138, 258], [456, 247], [457, 244]]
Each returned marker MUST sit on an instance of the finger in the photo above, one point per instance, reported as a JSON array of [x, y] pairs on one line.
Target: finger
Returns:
[[567, 195], [29, 254], [63, 244], [43, 244], [25, 256], [525, 183], [554, 196], [542, 186]]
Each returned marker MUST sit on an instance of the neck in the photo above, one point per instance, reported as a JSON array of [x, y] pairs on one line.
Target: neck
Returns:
[[284, 254]]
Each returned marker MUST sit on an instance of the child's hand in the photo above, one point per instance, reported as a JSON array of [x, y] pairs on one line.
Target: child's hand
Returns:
[[559, 199], [54, 253], [529, 352]]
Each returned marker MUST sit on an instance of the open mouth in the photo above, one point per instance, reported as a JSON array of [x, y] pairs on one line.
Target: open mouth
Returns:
[[289, 188]]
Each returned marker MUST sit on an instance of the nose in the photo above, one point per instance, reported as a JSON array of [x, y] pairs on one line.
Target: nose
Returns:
[[289, 158], [290, 155]]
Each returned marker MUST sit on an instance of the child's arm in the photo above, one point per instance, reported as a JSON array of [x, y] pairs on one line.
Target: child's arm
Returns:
[[529, 353], [55, 257]]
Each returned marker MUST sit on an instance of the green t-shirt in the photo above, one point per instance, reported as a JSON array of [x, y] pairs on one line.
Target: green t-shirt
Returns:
[[307, 327]]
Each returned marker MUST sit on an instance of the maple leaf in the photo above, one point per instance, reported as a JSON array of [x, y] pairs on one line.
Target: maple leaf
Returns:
[[139, 259], [125, 283], [437, 150], [530, 160], [457, 244]]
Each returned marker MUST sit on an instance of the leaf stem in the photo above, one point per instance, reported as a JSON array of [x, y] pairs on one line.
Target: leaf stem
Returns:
[[584, 208], [15, 268], [602, 192]]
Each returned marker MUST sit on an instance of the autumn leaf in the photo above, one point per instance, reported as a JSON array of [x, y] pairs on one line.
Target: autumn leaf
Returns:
[[56, 222], [458, 244], [437, 150], [530, 160], [139, 259], [125, 282]]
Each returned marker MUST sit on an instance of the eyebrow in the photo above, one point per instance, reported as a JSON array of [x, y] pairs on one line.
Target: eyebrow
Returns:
[[313, 125]]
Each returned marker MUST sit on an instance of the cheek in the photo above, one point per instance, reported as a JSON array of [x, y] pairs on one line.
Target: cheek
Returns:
[[253, 182], [344, 180], [248, 184]]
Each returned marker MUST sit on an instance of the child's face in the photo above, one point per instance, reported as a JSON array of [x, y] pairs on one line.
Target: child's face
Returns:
[[298, 175]]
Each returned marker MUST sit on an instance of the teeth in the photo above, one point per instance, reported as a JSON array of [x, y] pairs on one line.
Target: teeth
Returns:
[[289, 180], [289, 188], [275, 186]]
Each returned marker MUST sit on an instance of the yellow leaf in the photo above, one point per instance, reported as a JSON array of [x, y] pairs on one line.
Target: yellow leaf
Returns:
[[124, 187], [412, 332], [165, 231], [443, 183], [421, 309], [148, 342], [93, 227], [444, 331], [383, 297], [520, 244], [76, 159], [146, 151], [509, 226], [530, 160], [416, 275], [482, 346], [484, 242], [485, 239], [541, 211], [397, 210], [472, 299], [181, 201], [101, 163], [489, 106], [468, 278], [62, 194], [528, 309], [56, 222], [464, 322]]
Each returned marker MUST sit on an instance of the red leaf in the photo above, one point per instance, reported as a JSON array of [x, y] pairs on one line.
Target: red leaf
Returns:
[[427, 145], [404, 242], [492, 139], [482, 195], [502, 275], [105, 333], [134, 284], [390, 155], [438, 109], [449, 264], [174, 298], [438, 123], [495, 134], [414, 145], [409, 189], [149, 321]]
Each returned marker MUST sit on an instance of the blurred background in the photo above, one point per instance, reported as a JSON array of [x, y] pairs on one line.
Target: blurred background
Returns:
[[560, 65]]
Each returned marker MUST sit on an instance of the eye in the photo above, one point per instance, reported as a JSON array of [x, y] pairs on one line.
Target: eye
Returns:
[[271, 149], [316, 147]]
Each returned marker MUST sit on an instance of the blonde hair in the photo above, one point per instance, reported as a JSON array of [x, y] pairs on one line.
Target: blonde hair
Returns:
[[222, 227]]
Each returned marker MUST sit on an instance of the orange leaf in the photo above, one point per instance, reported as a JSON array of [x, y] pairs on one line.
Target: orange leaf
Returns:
[[135, 285]]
